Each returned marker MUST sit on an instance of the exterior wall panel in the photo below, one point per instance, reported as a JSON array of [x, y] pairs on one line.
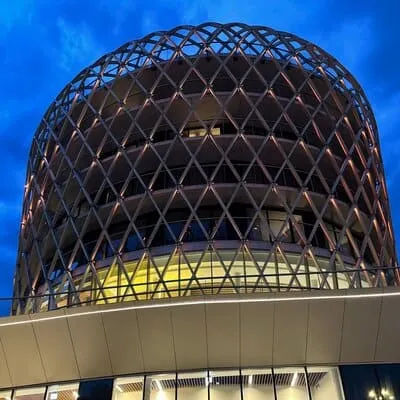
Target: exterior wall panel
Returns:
[[296, 342]]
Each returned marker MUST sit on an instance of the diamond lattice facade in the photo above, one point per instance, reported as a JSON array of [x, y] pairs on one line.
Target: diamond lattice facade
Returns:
[[215, 159]]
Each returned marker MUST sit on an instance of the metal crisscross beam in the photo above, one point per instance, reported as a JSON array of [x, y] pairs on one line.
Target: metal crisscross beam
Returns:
[[210, 159]]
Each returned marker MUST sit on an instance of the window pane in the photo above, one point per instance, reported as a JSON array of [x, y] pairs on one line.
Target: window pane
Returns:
[[30, 394], [63, 392], [130, 388], [5, 395], [100, 389], [324, 383], [298, 229], [261, 229], [371, 381], [257, 384], [193, 386], [197, 132], [162, 386], [359, 381], [224, 385], [389, 378], [291, 384], [279, 226]]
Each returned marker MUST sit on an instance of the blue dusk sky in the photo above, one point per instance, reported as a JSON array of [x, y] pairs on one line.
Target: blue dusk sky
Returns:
[[45, 43]]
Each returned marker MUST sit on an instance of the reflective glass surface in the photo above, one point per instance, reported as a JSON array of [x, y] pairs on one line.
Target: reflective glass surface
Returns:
[[36, 393], [225, 385], [291, 384], [98, 389], [161, 386], [258, 384], [355, 382], [63, 392], [130, 388], [324, 383], [193, 385], [372, 382], [5, 394]]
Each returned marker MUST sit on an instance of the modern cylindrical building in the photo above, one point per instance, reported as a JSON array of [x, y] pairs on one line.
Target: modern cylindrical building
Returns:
[[205, 160], [215, 196]]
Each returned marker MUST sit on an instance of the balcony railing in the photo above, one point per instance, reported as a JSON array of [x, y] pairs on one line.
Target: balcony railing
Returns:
[[223, 284]]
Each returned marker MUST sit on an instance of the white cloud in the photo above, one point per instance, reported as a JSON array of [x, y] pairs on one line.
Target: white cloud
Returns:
[[77, 45], [119, 14], [279, 14], [149, 23], [350, 44]]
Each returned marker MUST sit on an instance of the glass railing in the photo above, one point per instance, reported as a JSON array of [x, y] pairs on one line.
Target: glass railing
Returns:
[[144, 280], [204, 229]]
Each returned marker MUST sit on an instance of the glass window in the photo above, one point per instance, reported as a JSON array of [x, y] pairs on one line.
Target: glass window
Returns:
[[132, 243], [161, 387], [333, 233], [100, 389], [298, 229], [130, 388], [324, 383], [197, 132], [5, 395], [260, 229], [63, 392], [345, 245], [280, 226], [389, 379], [30, 394], [258, 384], [202, 132], [375, 382], [263, 274], [359, 382], [193, 386], [291, 384], [224, 385]]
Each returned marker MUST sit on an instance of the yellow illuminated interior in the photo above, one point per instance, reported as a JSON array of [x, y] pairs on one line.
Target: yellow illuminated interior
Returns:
[[198, 273]]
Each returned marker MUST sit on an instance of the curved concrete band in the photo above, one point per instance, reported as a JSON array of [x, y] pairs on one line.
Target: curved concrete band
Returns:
[[195, 333]]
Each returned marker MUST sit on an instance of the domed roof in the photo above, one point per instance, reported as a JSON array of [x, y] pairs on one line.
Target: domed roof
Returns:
[[214, 40]]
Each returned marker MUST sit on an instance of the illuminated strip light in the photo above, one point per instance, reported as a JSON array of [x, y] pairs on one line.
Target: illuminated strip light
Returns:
[[199, 302], [250, 379]]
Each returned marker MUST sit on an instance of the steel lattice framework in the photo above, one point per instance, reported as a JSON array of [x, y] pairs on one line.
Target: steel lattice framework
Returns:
[[203, 160]]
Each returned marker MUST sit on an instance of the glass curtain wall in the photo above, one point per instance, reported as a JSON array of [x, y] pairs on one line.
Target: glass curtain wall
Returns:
[[63, 392], [291, 383], [355, 382]]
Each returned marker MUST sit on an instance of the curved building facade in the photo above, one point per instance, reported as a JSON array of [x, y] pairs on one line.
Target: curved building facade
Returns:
[[214, 195], [205, 160]]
